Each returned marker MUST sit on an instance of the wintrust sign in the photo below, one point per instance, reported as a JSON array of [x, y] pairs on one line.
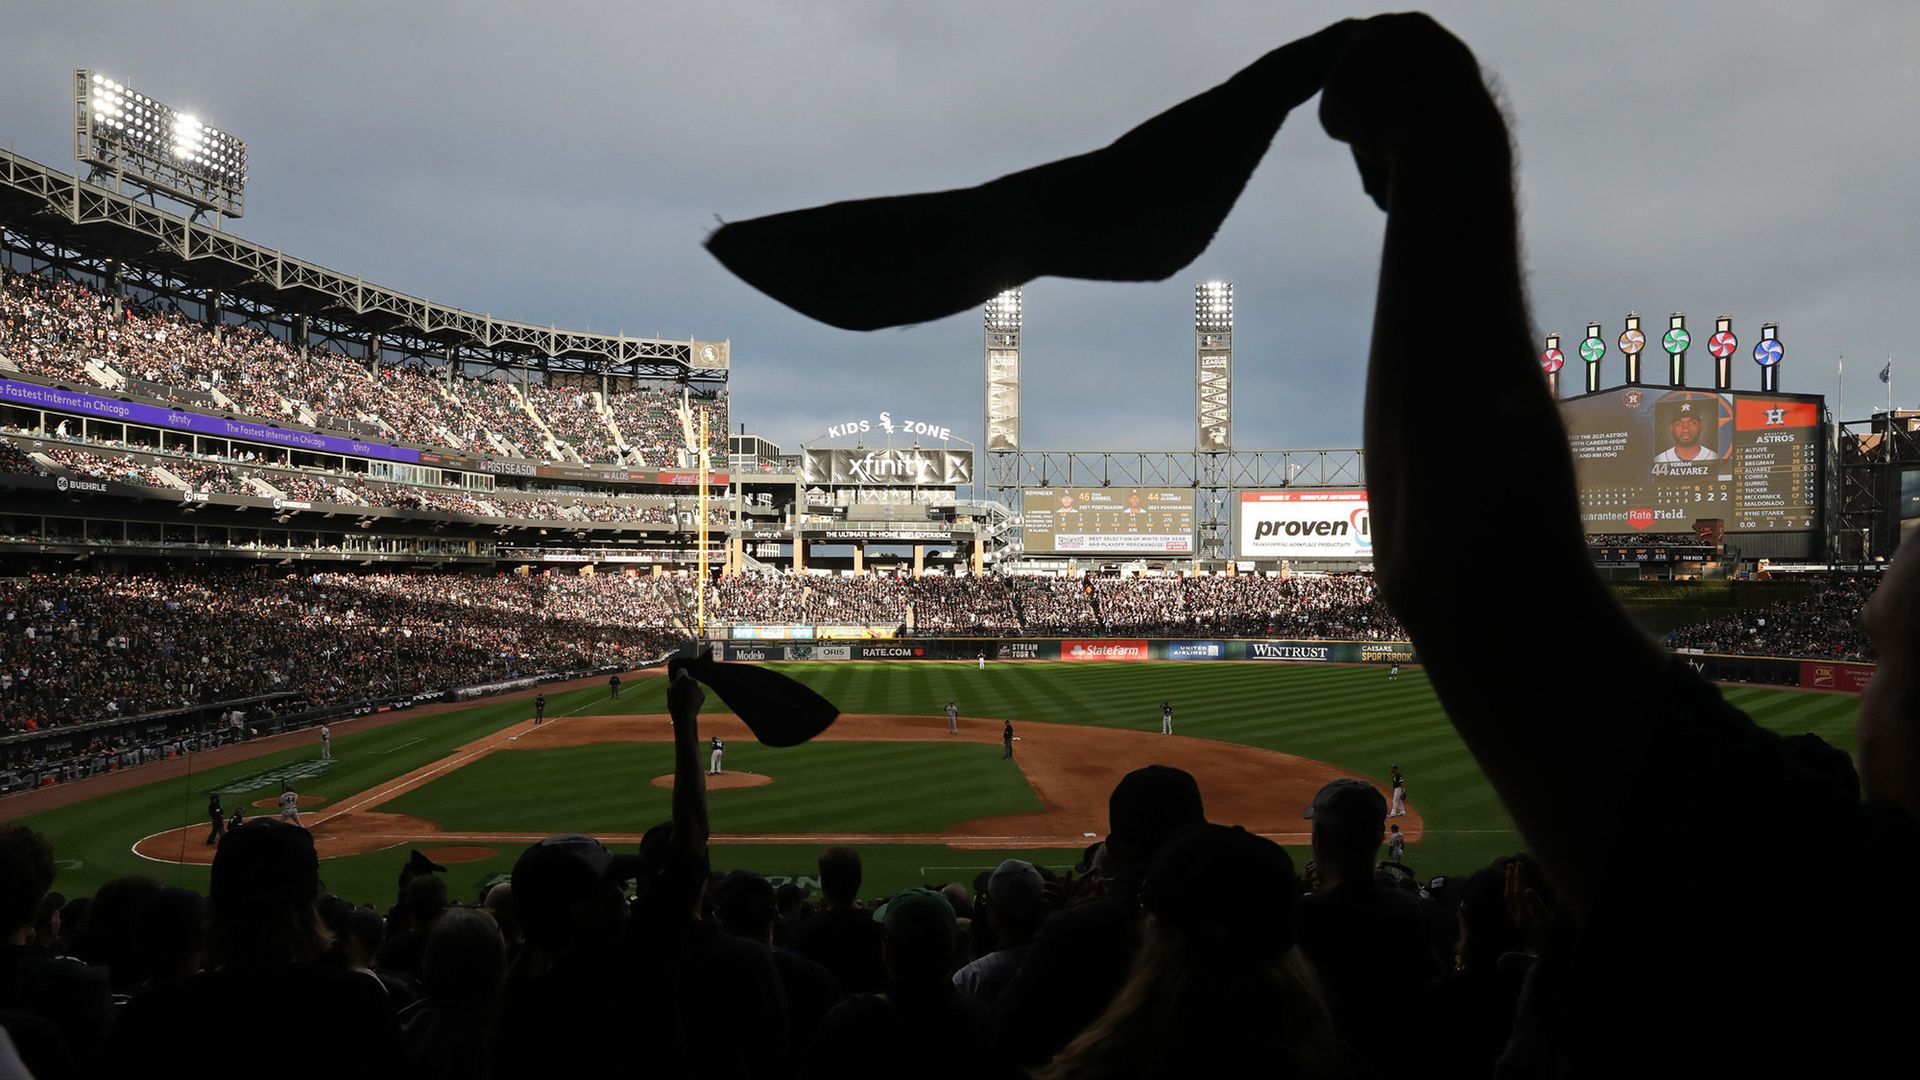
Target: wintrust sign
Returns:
[[1290, 650], [1103, 650], [1305, 524]]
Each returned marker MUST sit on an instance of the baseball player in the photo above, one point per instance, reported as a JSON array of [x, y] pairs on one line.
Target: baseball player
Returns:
[[1396, 845], [953, 718], [539, 709], [1393, 672], [613, 687], [326, 743], [1399, 808], [1166, 718], [983, 659], [1006, 736], [290, 805], [713, 760]]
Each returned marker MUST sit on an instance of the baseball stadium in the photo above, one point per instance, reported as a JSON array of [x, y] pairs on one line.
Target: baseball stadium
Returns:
[[447, 608]]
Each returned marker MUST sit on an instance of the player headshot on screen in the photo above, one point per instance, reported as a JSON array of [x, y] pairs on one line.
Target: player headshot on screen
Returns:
[[1066, 501], [1686, 425], [1133, 503]]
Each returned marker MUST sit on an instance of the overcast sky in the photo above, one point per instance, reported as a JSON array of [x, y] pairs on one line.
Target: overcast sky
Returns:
[[561, 163]]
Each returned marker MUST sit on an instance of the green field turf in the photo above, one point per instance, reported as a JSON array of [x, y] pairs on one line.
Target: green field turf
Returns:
[[872, 787], [1349, 717]]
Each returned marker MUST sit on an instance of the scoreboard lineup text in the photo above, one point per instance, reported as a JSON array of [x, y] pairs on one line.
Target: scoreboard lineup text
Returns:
[[1661, 459], [1108, 520]]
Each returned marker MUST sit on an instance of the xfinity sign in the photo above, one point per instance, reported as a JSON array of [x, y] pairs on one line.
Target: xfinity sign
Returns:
[[1304, 525]]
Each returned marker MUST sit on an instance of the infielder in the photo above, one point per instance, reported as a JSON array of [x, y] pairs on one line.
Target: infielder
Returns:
[[953, 718], [713, 760], [1396, 845], [290, 805], [1166, 718], [1399, 808], [326, 743]]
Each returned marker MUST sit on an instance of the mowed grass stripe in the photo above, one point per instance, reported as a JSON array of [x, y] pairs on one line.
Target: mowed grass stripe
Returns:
[[860, 787]]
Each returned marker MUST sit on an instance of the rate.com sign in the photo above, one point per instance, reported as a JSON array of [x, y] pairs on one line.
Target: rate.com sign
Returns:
[[1304, 525], [1103, 650]]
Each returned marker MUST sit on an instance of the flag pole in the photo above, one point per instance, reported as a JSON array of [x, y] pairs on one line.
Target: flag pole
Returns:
[[1841, 405]]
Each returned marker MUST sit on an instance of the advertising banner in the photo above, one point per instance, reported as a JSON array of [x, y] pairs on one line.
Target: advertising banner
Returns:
[[888, 467], [1313, 652], [35, 396], [1024, 650], [1196, 650], [771, 633], [1386, 652], [755, 653], [1833, 675], [1106, 649], [905, 650], [1302, 524]]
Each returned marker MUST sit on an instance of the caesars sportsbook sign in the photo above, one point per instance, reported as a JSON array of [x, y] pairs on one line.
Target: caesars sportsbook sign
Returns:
[[1303, 524], [913, 467]]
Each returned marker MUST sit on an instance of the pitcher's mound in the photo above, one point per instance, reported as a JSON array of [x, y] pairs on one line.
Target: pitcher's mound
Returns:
[[724, 782]]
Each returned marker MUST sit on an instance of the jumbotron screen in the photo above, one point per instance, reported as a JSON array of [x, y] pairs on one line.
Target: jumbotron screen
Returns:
[[1107, 521], [1659, 459]]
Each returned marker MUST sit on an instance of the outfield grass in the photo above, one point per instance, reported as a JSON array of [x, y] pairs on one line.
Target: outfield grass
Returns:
[[873, 787], [1349, 717]]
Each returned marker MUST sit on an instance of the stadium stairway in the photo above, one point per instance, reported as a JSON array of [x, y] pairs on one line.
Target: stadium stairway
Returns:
[[556, 450], [604, 410], [103, 374]]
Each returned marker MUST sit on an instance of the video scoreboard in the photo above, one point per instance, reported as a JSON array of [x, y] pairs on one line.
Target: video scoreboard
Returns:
[[1107, 521], [1660, 459]]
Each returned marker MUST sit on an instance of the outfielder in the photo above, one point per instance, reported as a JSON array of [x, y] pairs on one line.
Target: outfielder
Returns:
[[1166, 718], [713, 760]]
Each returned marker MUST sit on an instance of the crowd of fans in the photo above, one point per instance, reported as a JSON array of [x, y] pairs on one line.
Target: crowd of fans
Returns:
[[1820, 621], [79, 648], [50, 327]]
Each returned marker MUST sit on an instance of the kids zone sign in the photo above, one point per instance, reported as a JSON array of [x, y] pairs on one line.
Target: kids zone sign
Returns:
[[1304, 525]]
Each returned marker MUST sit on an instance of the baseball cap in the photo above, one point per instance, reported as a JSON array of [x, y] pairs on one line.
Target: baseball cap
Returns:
[[1686, 408], [1150, 804], [550, 875], [917, 914], [263, 858], [1017, 888], [420, 864], [1226, 889], [743, 900], [1348, 803]]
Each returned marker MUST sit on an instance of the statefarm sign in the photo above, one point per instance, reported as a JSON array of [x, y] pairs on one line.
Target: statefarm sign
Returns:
[[1103, 650], [1305, 525]]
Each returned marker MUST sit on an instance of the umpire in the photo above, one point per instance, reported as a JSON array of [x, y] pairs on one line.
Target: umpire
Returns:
[[217, 816]]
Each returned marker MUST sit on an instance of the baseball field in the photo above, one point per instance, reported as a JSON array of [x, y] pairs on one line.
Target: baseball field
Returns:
[[473, 785]]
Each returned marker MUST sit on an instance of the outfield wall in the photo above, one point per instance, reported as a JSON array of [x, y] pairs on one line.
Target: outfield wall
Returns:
[[1076, 649], [1842, 675]]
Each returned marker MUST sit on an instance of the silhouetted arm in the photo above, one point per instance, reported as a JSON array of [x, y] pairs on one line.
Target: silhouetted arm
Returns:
[[1546, 679], [690, 829]]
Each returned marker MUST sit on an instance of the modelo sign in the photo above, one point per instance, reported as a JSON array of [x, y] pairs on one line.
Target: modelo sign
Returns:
[[1305, 525], [1103, 650]]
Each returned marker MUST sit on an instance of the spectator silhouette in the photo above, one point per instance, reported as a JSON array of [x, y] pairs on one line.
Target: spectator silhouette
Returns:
[[263, 936], [841, 936], [1081, 955]]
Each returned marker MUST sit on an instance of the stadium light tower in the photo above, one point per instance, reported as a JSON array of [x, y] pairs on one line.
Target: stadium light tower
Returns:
[[1003, 371], [1213, 366], [130, 137]]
